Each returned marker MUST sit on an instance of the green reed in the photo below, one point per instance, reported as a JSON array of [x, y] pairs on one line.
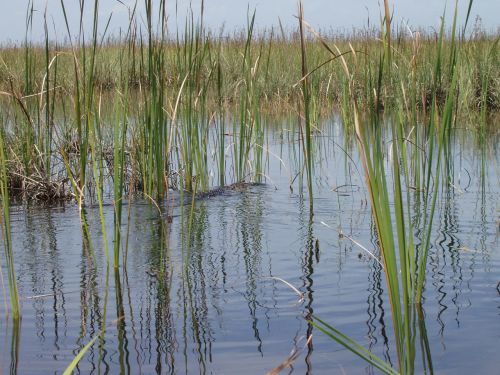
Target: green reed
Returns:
[[6, 234], [404, 261], [28, 136], [192, 128], [119, 139], [221, 124], [306, 135], [243, 130], [83, 100], [155, 132], [168, 140], [278, 89]]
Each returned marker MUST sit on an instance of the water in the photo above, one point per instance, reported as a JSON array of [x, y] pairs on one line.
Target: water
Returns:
[[209, 301]]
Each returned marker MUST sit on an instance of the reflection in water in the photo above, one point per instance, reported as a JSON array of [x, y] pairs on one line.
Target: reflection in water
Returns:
[[123, 352], [375, 302], [132, 321], [446, 246], [14, 346], [438, 281], [90, 310], [307, 265], [103, 361], [424, 342], [47, 280], [249, 213], [194, 287], [196, 297], [451, 244], [156, 304]]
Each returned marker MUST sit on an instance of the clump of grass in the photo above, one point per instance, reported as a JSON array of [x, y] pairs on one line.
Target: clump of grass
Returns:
[[247, 132], [404, 262]]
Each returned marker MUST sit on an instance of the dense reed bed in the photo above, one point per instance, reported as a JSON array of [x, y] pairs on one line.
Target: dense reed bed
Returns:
[[173, 90], [414, 52], [176, 93]]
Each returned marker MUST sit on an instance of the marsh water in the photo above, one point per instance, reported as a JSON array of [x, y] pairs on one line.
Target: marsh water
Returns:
[[202, 290]]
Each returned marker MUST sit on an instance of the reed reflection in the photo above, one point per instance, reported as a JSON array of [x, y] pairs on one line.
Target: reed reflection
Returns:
[[15, 340], [309, 257], [44, 266], [375, 302], [195, 322], [249, 214], [156, 320]]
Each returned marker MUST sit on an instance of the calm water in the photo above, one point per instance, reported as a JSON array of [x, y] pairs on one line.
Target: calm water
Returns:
[[205, 301]]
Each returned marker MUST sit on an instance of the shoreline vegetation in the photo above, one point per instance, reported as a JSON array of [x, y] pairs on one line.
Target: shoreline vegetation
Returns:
[[150, 108], [23, 66], [174, 93]]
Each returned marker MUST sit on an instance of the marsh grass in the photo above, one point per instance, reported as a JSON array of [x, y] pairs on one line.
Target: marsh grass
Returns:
[[182, 85], [277, 87], [306, 92], [404, 260]]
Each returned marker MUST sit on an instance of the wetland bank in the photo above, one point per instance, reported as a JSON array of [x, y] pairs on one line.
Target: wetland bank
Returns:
[[261, 201]]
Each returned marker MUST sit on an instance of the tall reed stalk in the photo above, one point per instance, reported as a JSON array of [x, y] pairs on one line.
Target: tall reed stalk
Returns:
[[192, 128], [306, 92], [119, 139], [248, 131], [6, 234], [221, 135], [154, 134]]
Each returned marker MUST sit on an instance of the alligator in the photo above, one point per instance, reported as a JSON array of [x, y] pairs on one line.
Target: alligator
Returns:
[[175, 197], [223, 190], [218, 191]]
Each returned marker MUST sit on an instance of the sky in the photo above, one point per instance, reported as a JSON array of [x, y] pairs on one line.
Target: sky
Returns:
[[326, 15]]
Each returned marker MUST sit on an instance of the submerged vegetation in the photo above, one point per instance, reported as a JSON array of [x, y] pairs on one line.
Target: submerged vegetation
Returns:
[[189, 113]]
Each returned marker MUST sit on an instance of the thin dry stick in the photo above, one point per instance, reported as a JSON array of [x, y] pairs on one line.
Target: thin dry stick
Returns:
[[298, 292]]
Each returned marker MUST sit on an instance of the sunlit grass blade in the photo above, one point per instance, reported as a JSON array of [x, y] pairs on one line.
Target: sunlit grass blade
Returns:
[[71, 367], [353, 346]]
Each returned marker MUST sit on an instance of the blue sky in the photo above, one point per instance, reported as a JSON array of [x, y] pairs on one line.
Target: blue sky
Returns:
[[322, 14]]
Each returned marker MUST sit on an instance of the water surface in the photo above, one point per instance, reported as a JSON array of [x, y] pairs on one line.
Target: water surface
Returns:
[[200, 295]]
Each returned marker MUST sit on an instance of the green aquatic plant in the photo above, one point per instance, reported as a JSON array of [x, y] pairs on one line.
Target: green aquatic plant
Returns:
[[403, 261], [306, 134], [119, 138], [154, 132], [79, 356], [247, 132], [6, 233]]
